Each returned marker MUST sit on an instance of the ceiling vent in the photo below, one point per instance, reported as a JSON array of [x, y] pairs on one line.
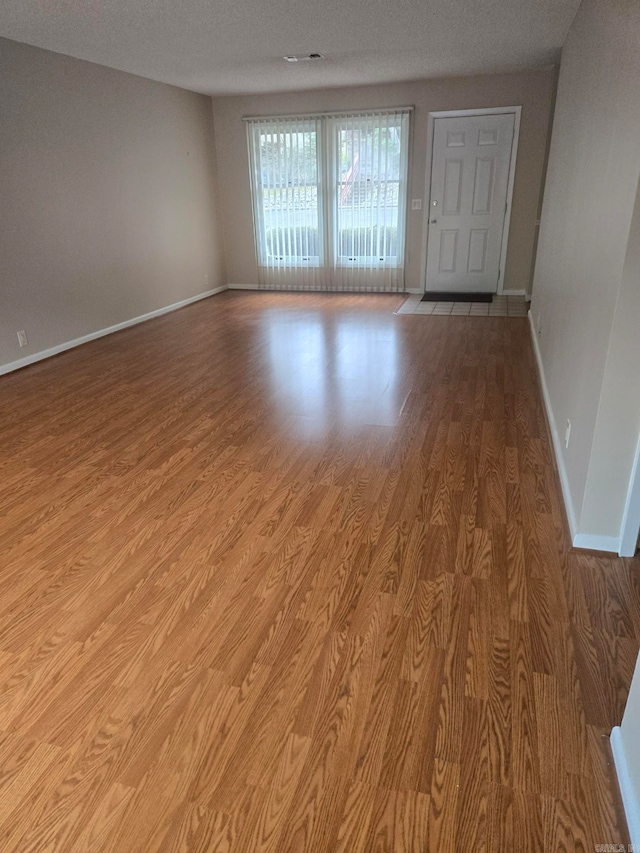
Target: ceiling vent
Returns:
[[312, 57]]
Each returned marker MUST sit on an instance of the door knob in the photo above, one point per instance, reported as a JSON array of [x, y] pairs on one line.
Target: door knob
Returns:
[[433, 221]]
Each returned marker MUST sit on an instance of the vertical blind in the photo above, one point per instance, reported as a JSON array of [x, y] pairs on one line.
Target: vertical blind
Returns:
[[329, 200]]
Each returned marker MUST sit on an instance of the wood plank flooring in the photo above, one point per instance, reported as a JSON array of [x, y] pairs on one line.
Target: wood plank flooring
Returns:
[[286, 572]]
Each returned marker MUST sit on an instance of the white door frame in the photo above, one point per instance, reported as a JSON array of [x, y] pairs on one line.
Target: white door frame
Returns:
[[631, 518], [516, 111]]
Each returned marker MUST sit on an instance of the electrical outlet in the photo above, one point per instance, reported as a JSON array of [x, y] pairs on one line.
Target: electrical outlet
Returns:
[[206, 279], [416, 204], [567, 433], [539, 325], [22, 338]]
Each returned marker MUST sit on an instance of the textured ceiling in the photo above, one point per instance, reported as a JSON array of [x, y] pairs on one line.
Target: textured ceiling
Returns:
[[235, 46]]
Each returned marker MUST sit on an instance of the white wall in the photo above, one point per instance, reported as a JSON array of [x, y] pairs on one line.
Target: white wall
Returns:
[[532, 90], [625, 741], [618, 420], [108, 199], [588, 265]]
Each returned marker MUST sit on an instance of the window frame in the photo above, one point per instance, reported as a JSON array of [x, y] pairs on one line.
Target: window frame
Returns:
[[258, 188], [328, 180], [369, 261]]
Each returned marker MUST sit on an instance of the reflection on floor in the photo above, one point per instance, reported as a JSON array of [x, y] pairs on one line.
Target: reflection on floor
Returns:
[[502, 306]]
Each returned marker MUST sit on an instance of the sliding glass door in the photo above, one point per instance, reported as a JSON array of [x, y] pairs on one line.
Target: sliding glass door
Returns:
[[329, 200]]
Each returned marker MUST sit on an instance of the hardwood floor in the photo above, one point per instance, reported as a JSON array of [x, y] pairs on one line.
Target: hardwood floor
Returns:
[[288, 572]]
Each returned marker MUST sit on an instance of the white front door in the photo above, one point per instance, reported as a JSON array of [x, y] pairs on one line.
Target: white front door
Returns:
[[469, 180]]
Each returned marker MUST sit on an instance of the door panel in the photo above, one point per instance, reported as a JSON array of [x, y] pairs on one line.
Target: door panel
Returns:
[[448, 250], [477, 250], [469, 180], [483, 186], [452, 187]]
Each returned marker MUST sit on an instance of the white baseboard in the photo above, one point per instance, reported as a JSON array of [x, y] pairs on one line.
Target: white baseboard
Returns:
[[593, 542], [92, 336], [419, 290], [232, 286], [588, 541], [627, 790], [555, 436]]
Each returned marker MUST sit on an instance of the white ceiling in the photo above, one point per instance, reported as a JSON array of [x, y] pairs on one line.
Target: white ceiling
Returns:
[[236, 46]]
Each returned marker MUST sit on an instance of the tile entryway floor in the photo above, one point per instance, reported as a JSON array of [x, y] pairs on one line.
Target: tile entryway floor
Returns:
[[502, 306]]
